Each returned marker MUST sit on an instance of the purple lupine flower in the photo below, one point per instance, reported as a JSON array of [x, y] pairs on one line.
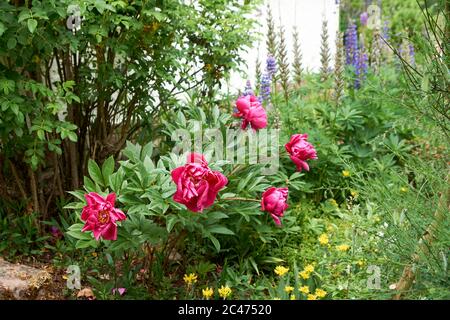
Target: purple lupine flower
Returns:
[[265, 87], [248, 91], [412, 54], [386, 30], [361, 68], [351, 44], [271, 66], [364, 17]]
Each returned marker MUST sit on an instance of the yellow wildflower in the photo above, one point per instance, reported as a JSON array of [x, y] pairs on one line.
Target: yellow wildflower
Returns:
[[333, 203], [311, 297], [304, 274], [292, 297], [309, 268], [360, 263], [354, 194], [207, 292], [342, 247], [288, 289], [323, 239], [320, 293], [304, 289], [224, 292], [403, 189], [346, 173], [281, 271], [190, 279]]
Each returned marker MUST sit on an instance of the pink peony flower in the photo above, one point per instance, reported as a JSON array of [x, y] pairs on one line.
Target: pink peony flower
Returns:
[[251, 111], [300, 150], [274, 201], [197, 184], [101, 216]]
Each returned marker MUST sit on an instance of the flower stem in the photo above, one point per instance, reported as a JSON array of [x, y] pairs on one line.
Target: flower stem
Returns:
[[241, 199]]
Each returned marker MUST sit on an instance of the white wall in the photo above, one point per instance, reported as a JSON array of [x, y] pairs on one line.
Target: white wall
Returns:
[[307, 15]]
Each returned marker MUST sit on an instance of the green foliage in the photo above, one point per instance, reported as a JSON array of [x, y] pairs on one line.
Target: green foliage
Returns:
[[70, 95]]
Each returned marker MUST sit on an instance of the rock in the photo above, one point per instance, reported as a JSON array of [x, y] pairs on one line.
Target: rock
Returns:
[[19, 281]]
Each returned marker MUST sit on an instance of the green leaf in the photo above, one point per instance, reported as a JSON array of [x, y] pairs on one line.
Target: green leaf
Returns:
[[89, 185], [108, 168], [81, 244], [11, 44], [171, 221], [24, 14], [2, 29], [215, 242], [78, 194], [220, 230], [32, 24], [72, 136], [95, 173]]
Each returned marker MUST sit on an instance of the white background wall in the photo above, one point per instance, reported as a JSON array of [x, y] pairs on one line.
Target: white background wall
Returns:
[[307, 15]]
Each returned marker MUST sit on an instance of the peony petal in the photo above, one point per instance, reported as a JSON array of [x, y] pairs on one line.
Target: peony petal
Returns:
[[276, 219], [117, 214], [243, 104], [305, 165], [111, 198], [93, 198], [109, 232], [176, 174]]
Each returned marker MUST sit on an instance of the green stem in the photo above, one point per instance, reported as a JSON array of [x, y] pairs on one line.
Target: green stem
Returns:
[[241, 199]]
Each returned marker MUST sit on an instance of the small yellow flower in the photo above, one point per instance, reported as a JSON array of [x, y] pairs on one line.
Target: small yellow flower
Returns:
[[346, 173], [292, 297], [311, 297], [333, 203], [288, 289], [304, 289], [403, 189], [304, 274], [36, 59], [224, 292], [190, 279], [323, 239], [320, 293], [94, 254], [342, 247], [281, 271], [377, 219], [309, 268], [207, 292], [354, 194], [360, 263]]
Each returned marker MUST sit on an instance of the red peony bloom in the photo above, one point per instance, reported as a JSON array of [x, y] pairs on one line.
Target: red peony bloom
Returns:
[[251, 111], [300, 150], [101, 216], [197, 184], [274, 201]]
